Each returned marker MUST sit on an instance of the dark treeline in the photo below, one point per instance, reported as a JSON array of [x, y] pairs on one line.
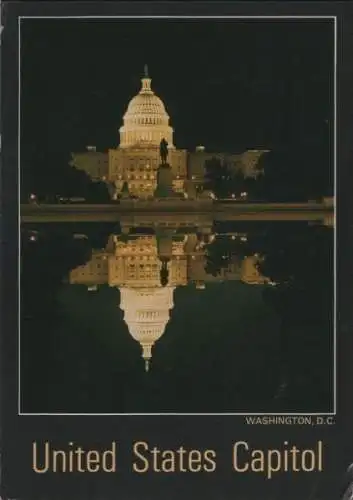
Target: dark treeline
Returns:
[[60, 179], [293, 172]]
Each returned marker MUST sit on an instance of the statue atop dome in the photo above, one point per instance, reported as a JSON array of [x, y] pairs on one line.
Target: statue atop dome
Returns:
[[146, 71], [163, 149]]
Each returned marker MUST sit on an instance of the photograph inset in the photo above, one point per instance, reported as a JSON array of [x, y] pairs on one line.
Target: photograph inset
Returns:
[[177, 216]]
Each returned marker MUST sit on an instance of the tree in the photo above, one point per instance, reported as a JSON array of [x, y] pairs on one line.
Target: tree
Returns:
[[97, 192], [223, 251], [222, 180], [298, 170], [215, 176], [58, 179]]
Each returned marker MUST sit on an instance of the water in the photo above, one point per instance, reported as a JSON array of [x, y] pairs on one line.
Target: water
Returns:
[[235, 318]]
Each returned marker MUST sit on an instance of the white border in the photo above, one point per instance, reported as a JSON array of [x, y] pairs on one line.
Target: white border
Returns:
[[334, 229]]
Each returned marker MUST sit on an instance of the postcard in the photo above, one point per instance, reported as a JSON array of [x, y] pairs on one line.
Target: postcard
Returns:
[[173, 320]]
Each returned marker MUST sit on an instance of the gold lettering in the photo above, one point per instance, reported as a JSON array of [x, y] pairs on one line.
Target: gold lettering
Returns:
[[194, 461], [319, 455], [92, 461], [57, 454], [168, 461], [311, 455], [257, 461], [210, 462], [271, 468], [235, 456], [46, 463], [137, 446], [109, 456]]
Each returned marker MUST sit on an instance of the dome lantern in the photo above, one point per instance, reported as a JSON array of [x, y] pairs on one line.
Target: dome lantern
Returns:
[[146, 81]]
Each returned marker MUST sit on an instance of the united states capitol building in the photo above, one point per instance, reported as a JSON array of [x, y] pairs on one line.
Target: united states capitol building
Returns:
[[134, 264], [135, 161]]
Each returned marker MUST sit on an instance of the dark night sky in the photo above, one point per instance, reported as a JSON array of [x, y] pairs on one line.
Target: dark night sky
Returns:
[[227, 85]]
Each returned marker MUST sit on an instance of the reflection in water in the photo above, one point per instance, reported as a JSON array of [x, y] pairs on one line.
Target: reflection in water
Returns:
[[225, 321], [148, 268]]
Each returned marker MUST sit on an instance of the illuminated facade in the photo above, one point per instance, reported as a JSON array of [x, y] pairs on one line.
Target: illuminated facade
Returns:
[[146, 121], [135, 161], [134, 267], [134, 264]]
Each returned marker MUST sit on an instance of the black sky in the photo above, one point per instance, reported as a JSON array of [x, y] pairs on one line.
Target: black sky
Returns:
[[227, 84]]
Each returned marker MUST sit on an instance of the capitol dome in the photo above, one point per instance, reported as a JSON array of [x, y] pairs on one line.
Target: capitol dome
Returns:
[[146, 313], [146, 121]]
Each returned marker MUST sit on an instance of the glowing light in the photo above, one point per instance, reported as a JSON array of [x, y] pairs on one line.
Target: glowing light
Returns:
[[146, 313], [233, 195], [146, 120], [233, 237]]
